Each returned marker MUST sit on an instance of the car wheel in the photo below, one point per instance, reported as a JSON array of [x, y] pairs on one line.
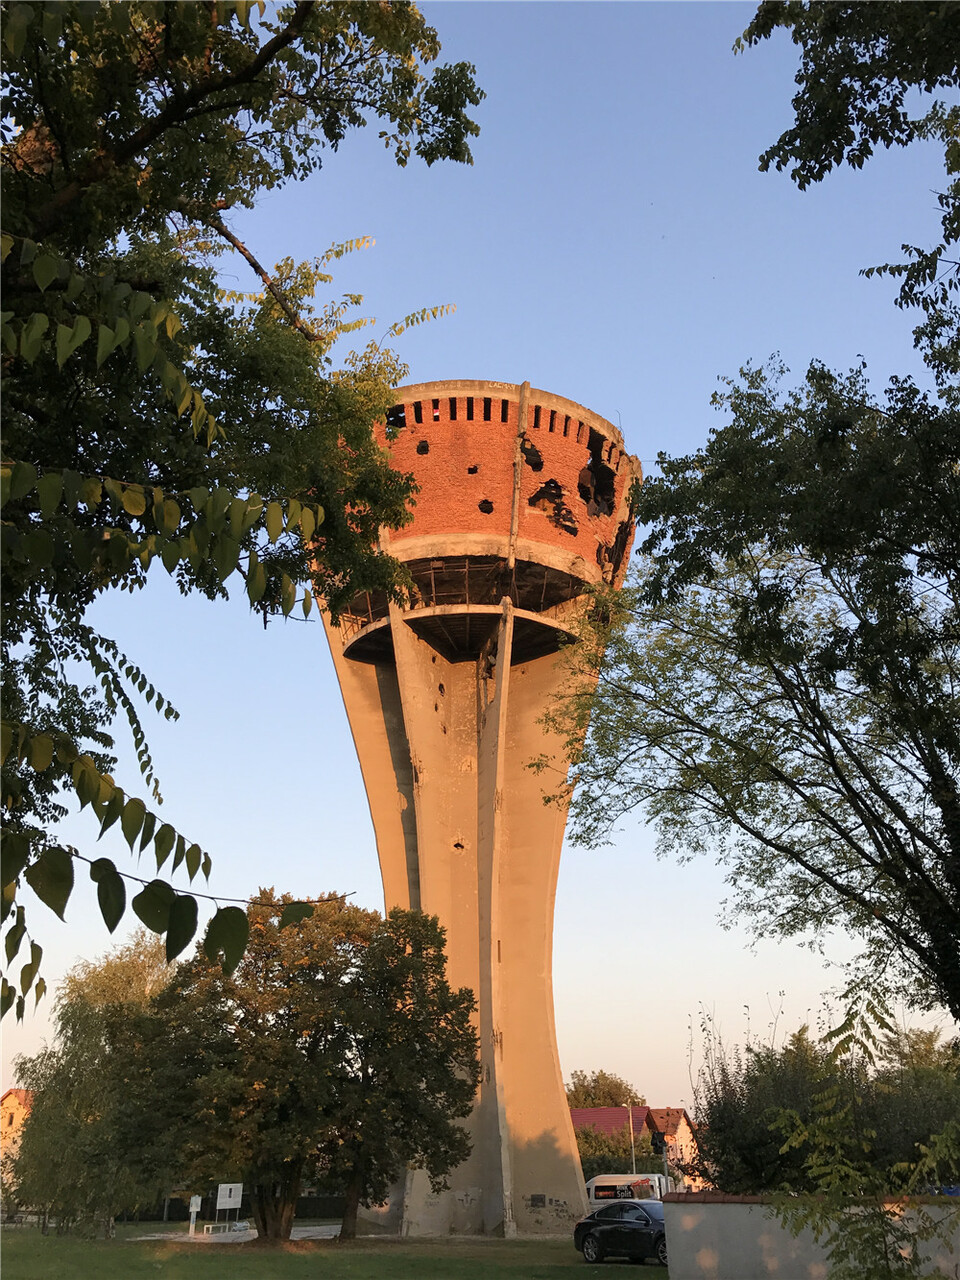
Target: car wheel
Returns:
[[662, 1251], [591, 1250]]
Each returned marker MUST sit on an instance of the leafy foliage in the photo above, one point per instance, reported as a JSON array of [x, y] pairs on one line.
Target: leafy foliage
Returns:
[[864, 70], [612, 1152], [838, 1130], [781, 681], [601, 1089], [68, 1166], [151, 416], [336, 1050]]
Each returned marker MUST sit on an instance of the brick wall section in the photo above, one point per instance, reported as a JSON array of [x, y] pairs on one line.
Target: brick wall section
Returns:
[[460, 439]]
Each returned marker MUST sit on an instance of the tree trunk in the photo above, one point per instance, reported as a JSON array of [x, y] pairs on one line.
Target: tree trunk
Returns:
[[274, 1204], [348, 1228]]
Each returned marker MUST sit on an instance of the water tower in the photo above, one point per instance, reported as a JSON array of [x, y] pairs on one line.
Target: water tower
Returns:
[[523, 503]]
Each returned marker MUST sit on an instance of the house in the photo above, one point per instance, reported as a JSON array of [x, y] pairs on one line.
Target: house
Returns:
[[613, 1120], [680, 1140], [14, 1109]]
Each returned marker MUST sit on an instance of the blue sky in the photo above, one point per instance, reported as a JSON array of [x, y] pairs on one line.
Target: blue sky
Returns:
[[614, 243]]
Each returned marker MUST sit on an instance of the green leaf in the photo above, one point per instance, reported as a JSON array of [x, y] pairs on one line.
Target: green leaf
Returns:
[[163, 842], [91, 492], [226, 553], [38, 547], [149, 825], [7, 996], [274, 521], [256, 579], [46, 268], [288, 595], [49, 490], [51, 879], [182, 926], [169, 520], [170, 555], [294, 912], [238, 510], [39, 991], [22, 479], [307, 524], [131, 821], [153, 904], [14, 856], [180, 852], [111, 891], [192, 859], [227, 932], [134, 500], [31, 336], [69, 338], [15, 935], [29, 971], [40, 752], [112, 810], [145, 342], [294, 511], [106, 342]]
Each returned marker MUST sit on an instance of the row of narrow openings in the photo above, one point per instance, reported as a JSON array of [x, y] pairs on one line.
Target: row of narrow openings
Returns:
[[555, 421]]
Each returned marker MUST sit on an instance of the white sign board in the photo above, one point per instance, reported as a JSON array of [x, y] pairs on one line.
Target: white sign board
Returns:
[[228, 1195], [194, 1204]]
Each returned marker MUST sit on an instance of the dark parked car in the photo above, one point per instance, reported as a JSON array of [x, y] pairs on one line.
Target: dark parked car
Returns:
[[623, 1228]]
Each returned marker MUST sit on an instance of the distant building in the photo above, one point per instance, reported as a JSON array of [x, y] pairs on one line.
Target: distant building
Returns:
[[14, 1108], [613, 1120], [680, 1139]]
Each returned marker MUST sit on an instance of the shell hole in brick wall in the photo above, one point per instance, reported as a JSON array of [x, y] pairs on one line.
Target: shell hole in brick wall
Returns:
[[458, 845], [487, 406], [595, 483], [440, 689], [396, 417], [504, 410], [423, 446], [531, 454], [472, 471], [486, 506]]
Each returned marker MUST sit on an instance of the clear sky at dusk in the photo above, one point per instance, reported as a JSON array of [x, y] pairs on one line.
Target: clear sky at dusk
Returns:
[[613, 243]]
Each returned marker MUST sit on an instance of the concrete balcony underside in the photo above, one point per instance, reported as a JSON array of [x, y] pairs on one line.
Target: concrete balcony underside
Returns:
[[461, 632]]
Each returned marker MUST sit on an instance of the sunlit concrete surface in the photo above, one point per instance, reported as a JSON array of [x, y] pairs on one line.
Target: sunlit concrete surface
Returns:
[[711, 1236], [523, 504]]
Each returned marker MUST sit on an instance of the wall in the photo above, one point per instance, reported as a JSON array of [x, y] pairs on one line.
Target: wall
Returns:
[[711, 1236]]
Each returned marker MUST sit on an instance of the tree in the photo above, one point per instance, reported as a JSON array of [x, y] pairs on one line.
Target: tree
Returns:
[[335, 1051], [68, 1163], [782, 682], [613, 1152], [601, 1089], [830, 1131], [150, 416]]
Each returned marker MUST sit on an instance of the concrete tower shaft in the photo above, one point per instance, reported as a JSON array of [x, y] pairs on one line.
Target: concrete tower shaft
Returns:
[[523, 502]]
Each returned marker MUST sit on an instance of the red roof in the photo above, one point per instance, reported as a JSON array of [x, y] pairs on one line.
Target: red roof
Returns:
[[23, 1096], [669, 1119], [611, 1119]]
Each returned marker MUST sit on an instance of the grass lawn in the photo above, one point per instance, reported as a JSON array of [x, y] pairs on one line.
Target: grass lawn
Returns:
[[27, 1255]]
